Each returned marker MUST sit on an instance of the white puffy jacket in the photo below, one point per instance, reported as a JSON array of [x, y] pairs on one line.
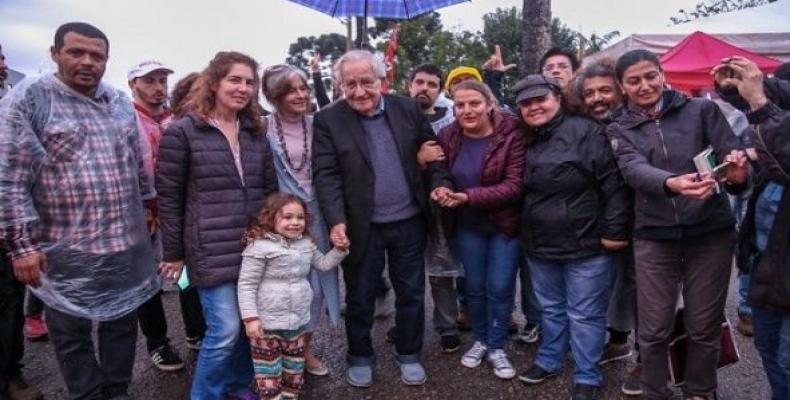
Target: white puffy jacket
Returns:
[[273, 284]]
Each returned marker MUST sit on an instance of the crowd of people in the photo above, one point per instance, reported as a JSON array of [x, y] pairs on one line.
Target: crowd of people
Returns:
[[579, 183]]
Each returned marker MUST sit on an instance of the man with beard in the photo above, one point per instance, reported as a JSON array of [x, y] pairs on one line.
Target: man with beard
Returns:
[[597, 90], [72, 216], [148, 82], [599, 95], [425, 85]]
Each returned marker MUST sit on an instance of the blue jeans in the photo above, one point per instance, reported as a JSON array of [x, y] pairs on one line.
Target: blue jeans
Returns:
[[224, 364], [490, 265], [529, 302], [574, 296], [743, 291], [772, 339]]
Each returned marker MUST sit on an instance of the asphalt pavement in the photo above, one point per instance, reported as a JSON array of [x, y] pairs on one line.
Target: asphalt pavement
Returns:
[[447, 379]]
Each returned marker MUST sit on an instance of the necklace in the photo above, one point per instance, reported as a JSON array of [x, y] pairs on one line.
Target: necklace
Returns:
[[305, 149]]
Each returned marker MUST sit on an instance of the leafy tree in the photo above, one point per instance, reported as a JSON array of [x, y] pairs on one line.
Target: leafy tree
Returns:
[[329, 46], [503, 27], [713, 7], [596, 43], [424, 40], [562, 36]]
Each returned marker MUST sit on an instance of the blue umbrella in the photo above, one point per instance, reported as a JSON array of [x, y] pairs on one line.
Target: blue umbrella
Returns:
[[392, 9]]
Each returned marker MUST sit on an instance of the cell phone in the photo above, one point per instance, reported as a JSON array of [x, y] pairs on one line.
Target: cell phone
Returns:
[[183, 280], [720, 171]]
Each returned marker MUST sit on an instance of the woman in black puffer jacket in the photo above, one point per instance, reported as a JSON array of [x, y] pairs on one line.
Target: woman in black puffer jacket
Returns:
[[214, 170], [684, 233]]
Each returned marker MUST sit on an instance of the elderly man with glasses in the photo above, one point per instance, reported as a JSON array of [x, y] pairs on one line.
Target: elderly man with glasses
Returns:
[[373, 194]]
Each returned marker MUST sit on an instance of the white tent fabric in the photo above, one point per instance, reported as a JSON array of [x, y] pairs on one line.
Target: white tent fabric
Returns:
[[771, 39], [775, 45]]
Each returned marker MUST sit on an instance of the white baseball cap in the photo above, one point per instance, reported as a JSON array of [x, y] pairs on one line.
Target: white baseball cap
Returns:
[[146, 67]]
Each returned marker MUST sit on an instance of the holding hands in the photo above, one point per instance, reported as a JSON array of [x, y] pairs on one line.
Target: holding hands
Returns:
[[447, 198], [171, 270], [338, 237]]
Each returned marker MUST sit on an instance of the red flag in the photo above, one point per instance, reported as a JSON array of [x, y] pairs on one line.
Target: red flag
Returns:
[[389, 57]]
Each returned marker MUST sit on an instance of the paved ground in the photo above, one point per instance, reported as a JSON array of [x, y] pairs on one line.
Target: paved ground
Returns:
[[447, 379]]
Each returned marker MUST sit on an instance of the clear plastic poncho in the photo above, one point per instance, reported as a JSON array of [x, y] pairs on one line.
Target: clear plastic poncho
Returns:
[[72, 186]]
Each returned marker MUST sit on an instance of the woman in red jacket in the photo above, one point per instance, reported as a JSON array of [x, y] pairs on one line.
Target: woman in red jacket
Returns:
[[485, 152]]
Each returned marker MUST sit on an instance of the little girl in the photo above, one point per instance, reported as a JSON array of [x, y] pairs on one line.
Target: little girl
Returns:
[[274, 293]]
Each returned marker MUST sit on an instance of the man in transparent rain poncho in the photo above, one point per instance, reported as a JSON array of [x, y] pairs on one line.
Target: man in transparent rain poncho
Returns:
[[71, 214]]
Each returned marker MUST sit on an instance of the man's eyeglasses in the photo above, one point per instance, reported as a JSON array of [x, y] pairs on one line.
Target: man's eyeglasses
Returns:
[[551, 67], [364, 83]]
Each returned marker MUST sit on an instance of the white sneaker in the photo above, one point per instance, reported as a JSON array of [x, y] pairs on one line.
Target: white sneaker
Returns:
[[474, 356], [503, 369]]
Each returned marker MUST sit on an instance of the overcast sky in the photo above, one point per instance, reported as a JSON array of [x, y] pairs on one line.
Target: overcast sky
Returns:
[[185, 34]]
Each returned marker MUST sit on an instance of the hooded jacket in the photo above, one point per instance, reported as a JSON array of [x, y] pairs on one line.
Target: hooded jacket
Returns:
[[650, 150]]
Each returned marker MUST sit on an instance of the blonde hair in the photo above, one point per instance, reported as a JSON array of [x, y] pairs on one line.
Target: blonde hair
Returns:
[[479, 87]]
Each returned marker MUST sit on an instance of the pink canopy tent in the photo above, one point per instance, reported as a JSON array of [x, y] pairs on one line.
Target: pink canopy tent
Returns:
[[687, 65]]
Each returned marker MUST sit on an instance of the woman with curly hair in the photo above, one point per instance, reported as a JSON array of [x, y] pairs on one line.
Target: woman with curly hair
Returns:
[[214, 171]]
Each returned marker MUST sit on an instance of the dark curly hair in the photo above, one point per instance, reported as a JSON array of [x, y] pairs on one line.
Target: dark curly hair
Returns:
[[180, 91], [602, 68], [266, 219]]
